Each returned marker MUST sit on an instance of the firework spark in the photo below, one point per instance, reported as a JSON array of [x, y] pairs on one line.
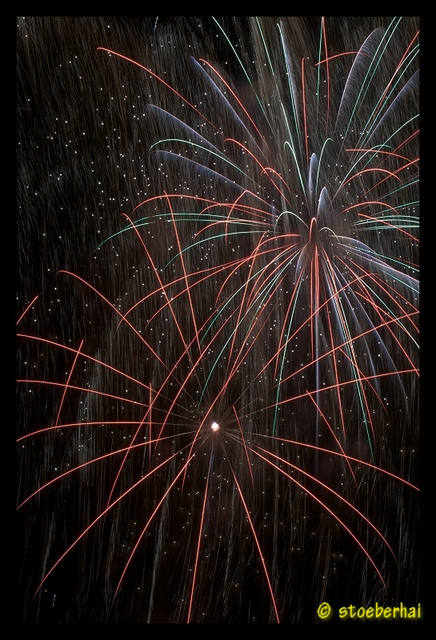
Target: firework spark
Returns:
[[218, 414]]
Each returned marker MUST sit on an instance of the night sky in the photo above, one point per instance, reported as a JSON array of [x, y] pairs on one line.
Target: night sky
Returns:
[[217, 286]]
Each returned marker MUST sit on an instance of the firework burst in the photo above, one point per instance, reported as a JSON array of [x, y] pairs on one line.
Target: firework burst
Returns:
[[218, 417]]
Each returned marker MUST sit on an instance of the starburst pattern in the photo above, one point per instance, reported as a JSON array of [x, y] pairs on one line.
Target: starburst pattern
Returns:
[[225, 432]]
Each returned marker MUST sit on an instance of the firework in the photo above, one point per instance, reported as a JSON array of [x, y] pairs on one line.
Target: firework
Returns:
[[218, 388]]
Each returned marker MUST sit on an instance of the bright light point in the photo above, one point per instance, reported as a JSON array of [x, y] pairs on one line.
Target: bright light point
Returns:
[[214, 426]]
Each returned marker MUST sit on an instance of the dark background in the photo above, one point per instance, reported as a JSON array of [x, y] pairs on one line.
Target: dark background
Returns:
[[83, 160]]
